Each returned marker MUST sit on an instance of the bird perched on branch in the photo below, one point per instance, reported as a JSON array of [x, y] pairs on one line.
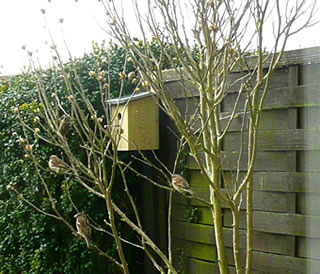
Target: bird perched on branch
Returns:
[[83, 226], [180, 184], [65, 125], [57, 165]]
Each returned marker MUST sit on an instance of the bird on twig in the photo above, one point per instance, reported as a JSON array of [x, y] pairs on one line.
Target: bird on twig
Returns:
[[180, 184], [57, 165], [83, 226], [65, 125]]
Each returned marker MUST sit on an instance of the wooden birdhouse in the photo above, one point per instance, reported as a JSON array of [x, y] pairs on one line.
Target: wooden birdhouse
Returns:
[[138, 119]]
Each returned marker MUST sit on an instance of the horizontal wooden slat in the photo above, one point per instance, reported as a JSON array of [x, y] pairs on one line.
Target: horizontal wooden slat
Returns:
[[266, 201], [179, 89], [279, 79], [300, 56], [276, 98], [279, 98], [182, 213], [280, 223], [270, 181], [265, 161], [196, 266], [274, 243], [270, 119], [274, 263], [276, 140], [304, 56], [265, 262], [194, 249], [193, 232]]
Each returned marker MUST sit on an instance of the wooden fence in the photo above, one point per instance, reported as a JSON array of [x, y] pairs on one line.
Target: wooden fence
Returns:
[[286, 180]]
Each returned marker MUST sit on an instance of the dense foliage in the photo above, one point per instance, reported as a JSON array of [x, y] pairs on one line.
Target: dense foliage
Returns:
[[31, 242]]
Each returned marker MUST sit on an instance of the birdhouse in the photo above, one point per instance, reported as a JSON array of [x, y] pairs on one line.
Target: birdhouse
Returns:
[[138, 118]]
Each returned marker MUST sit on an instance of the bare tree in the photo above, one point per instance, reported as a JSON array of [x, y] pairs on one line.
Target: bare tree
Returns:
[[230, 36], [99, 131]]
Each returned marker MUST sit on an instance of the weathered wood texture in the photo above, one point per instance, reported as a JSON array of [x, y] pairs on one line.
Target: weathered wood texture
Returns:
[[286, 198]]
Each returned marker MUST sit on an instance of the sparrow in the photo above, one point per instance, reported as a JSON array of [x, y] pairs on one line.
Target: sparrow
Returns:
[[65, 125], [83, 226], [57, 165], [180, 184]]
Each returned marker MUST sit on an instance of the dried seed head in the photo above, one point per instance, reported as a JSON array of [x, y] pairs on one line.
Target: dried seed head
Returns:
[[92, 74], [16, 110], [190, 130], [137, 90], [231, 51], [131, 75], [145, 84], [27, 156], [130, 59], [122, 75], [100, 78], [21, 141], [70, 97], [66, 77], [135, 39], [36, 120], [28, 148], [14, 134], [37, 130], [100, 120], [106, 86], [9, 186], [113, 21], [134, 81], [214, 27], [102, 73]]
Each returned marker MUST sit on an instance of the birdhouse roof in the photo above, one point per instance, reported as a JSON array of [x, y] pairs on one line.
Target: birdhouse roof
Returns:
[[125, 99]]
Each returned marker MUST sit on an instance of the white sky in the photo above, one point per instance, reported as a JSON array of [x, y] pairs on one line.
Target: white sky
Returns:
[[22, 23]]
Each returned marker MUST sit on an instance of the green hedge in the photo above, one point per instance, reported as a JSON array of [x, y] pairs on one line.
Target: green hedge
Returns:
[[29, 241]]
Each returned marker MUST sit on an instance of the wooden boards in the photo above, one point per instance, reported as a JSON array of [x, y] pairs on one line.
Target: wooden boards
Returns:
[[286, 177]]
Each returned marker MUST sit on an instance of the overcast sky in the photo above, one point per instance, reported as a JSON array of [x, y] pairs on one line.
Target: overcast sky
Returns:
[[22, 23]]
